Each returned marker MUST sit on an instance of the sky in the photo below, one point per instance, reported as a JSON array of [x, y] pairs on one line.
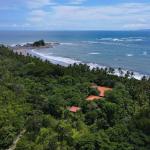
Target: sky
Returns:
[[74, 14]]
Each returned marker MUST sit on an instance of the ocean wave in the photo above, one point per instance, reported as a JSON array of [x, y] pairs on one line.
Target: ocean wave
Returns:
[[117, 40], [90, 42], [100, 42], [129, 55], [117, 44], [129, 39], [104, 39], [67, 43], [67, 61], [132, 39], [110, 41], [136, 75], [145, 53], [94, 53], [56, 59], [13, 45], [94, 65]]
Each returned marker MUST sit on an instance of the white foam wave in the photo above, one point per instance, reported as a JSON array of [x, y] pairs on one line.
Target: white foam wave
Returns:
[[105, 39], [94, 65], [13, 45], [91, 42], [67, 43], [117, 40], [129, 55], [129, 39], [114, 41], [94, 53], [56, 59], [145, 53], [136, 75], [133, 40], [24, 43], [67, 61]]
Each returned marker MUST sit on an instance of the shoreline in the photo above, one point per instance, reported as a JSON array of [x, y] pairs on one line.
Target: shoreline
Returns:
[[69, 61]]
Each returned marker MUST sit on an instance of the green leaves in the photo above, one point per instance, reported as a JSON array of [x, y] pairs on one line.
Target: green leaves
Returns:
[[35, 95]]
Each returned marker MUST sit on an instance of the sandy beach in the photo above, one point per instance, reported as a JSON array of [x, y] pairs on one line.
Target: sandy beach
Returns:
[[24, 52]]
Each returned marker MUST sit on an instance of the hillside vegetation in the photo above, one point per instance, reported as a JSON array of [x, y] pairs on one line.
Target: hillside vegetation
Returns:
[[35, 96]]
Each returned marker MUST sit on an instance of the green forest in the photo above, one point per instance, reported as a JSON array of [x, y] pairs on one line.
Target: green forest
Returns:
[[35, 96]]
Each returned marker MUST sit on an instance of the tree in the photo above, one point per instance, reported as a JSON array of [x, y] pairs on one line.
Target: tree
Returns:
[[94, 91], [56, 106], [64, 132], [39, 43]]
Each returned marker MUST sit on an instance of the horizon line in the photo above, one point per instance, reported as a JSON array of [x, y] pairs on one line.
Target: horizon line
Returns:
[[74, 30]]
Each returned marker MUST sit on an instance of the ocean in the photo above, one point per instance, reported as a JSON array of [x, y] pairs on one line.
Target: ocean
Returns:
[[129, 50]]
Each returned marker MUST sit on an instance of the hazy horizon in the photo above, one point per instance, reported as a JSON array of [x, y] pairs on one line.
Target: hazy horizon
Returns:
[[74, 30]]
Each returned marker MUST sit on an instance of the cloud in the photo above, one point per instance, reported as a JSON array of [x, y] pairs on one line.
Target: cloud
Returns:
[[8, 8], [37, 16], [15, 26], [79, 17], [137, 26], [77, 2], [122, 16], [39, 3]]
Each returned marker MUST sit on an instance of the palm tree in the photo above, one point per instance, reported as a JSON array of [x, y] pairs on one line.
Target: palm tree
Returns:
[[111, 70], [120, 71]]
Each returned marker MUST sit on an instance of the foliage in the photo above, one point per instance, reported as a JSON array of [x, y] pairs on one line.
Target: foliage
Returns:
[[35, 95], [39, 43]]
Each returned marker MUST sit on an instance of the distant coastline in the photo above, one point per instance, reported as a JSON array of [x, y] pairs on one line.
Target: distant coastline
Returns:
[[28, 49]]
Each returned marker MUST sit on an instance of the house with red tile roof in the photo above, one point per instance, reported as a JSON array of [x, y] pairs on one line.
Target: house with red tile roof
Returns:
[[101, 90], [74, 109]]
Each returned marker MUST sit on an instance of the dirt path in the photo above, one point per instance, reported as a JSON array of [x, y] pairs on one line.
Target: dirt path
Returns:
[[13, 146]]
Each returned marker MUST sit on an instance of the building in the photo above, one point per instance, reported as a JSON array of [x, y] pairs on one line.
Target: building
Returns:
[[74, 109], [101, 90]]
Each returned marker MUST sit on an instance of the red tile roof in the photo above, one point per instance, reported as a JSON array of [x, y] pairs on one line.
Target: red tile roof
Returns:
[[102, 90], [92, 97], [74, 109]]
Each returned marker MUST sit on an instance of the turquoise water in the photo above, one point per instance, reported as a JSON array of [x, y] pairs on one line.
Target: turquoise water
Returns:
[[126, 49]]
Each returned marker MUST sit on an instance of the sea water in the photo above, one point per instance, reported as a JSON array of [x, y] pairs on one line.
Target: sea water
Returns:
[[129, 50]]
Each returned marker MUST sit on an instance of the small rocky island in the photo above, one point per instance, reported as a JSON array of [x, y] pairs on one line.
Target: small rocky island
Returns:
[[35, 45], [27, 48]]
